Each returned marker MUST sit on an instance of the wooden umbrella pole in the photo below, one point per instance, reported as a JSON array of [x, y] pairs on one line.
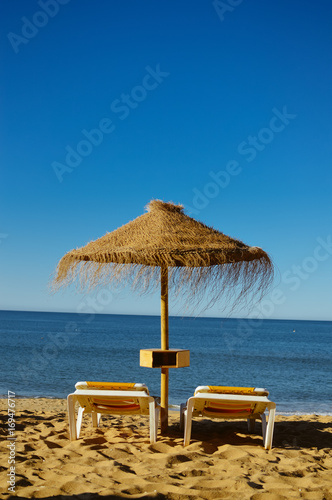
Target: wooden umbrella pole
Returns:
[[164, 346]]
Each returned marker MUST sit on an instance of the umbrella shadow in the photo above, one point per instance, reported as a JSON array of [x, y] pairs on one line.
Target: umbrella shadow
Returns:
[[288, 434], [296, 434]]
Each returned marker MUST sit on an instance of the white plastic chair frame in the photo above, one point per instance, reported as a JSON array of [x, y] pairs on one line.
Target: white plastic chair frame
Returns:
[[87, 402], [259, 404]]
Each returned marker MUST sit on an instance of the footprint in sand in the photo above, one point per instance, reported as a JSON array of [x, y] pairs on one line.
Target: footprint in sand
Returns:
[[51, 444], [95, 440]]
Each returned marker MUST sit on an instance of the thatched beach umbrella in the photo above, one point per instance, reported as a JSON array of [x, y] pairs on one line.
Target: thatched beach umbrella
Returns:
[[164, 246]]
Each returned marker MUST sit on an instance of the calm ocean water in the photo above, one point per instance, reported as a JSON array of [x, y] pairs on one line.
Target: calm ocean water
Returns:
[[45, 354]]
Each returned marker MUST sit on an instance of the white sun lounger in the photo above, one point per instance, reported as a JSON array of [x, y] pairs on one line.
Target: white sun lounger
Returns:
[[230, 403], [111, 398]]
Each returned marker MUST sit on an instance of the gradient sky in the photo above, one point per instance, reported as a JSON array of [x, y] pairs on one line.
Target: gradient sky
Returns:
[[224, 107]]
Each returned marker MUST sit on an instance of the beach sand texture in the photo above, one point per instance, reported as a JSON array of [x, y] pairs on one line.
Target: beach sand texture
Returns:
[[116, 460]]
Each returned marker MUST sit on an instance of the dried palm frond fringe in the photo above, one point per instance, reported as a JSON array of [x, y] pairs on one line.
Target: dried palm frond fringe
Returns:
[[202, 261]]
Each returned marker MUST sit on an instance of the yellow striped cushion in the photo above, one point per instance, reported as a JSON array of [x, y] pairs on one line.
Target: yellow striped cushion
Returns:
[[117, 405], [224, 408], [243, 391], [232, 390], [112, 386]]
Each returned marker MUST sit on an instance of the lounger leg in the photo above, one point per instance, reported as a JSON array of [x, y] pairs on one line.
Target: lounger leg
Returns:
[[251, 425], [263, 417], [270, 428], [95, 419], [182, 410], [157, 414], [188, 415], [79, 421], [154, 414], [71, 417]]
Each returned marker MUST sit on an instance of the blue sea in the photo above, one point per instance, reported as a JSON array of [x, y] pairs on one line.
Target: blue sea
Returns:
[[45, 354]]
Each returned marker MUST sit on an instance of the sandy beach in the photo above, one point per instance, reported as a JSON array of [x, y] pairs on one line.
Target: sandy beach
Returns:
[[223, 461]]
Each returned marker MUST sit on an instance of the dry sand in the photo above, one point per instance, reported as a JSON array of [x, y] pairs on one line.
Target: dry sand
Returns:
[[223, 461]]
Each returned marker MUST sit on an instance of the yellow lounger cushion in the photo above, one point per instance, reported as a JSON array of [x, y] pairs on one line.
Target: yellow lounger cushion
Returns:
[[116, 406], [244, 391], [111, 386]]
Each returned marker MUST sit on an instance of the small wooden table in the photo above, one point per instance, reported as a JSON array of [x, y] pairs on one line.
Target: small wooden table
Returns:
[[160, 358]]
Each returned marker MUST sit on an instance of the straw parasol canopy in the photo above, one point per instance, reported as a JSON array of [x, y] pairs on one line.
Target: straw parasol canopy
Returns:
[[200, 259], [162, 247]]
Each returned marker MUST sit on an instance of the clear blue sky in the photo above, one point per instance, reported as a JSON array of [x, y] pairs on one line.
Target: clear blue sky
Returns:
[[227, 110]]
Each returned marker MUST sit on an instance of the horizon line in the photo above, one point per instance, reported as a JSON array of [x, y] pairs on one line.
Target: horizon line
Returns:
[[170, 316]]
